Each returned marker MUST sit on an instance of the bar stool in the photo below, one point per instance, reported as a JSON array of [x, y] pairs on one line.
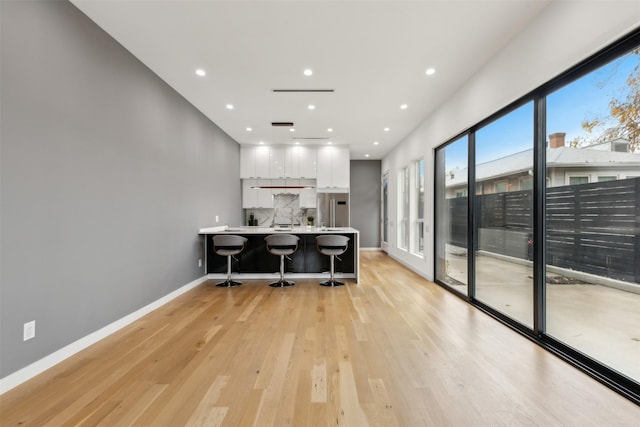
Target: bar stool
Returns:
[[282, 245], [228, 245], [332, 245]]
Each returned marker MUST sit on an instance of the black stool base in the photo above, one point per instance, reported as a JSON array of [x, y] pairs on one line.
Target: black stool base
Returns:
[[331, 283], [281, 283], [228, 284]]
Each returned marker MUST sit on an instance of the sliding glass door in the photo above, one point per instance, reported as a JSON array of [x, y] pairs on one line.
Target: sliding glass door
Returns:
[[592, 208], [452, 199], [503, 205], [566, 158]]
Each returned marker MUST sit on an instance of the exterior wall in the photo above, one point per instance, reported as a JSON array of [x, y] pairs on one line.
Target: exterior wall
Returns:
[[563, 34], [556, 177], [106, 176], [563, 175]]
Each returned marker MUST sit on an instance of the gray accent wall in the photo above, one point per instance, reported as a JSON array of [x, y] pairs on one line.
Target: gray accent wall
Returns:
[[106, 175], [365, 201]]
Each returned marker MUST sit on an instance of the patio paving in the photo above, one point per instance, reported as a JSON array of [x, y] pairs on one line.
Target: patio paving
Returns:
[[601, 322]]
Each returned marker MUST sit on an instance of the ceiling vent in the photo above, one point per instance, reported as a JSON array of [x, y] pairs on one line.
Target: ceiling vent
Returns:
[[282, 124], [303, 90]]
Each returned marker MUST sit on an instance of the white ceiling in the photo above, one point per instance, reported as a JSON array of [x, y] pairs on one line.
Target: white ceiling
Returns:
[[373, 54]]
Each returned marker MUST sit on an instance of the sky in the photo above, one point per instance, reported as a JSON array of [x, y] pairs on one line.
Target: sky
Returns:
[[567, 108]]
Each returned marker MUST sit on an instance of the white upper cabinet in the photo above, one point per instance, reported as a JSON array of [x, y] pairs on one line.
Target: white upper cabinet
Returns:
[[300, 162], [277, 162], [333, 169], [278, 154], [308, 162], [340, 168], [263, 161], [255, 162], [249, 195], [292, 162], [247, 162], [253, 197], [308, 195], [323, 170]]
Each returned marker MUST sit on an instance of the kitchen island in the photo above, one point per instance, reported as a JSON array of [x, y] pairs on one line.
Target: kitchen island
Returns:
[[255, 262]]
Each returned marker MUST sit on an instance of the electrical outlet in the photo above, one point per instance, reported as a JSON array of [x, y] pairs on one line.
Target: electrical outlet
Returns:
[[29, 330], [217, 218], [200, 262]]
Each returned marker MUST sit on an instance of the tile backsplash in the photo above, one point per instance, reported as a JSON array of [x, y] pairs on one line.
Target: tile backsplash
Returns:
[[286, 210]]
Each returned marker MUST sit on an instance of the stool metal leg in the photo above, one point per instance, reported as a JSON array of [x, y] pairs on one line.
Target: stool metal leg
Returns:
[[280, 283], [228, 283], [332, 282]]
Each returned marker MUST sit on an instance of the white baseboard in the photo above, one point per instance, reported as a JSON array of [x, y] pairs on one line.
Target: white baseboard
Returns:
[[422, 274], [39, 366], [370, 249]]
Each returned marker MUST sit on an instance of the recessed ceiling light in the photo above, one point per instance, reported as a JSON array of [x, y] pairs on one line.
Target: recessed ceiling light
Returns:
[[292, 130], [249, 129], [430, 71], [329, 143], [261, 143], [366, 155], [229, 106], [308, 72], [311, 107], [403, 106], [330, 130], [387, 129], [201, 72], [297, 142], [376, 143]]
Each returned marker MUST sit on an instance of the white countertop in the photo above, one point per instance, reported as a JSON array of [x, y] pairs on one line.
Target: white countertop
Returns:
[[268, 230]]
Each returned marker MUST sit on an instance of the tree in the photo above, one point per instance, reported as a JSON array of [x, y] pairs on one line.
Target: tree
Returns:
[[624, 119]]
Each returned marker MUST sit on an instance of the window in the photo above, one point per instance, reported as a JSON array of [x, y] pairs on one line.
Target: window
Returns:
[[417, 203], [403, 208], [605, 178], [576, 180], [501, 187]]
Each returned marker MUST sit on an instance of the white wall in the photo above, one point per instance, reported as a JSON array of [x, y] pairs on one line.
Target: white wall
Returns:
[[563, 34]]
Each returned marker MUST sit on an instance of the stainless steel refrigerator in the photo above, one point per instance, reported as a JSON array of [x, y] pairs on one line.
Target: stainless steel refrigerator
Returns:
[[333, 209]]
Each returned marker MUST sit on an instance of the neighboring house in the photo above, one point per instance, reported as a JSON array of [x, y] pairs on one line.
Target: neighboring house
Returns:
[[618, 145], [565, 166]]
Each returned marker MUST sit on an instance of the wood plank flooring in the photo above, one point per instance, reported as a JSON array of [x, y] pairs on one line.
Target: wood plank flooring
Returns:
[[395, 350]]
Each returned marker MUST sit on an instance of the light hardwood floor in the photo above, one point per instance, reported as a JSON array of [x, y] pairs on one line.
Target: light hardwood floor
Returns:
[[395, 350]]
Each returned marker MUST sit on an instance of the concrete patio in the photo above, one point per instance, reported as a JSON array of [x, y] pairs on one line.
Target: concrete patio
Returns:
[[601, 321]]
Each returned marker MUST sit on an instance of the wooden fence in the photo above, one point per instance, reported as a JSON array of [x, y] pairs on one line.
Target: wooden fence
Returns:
[[593, 228]]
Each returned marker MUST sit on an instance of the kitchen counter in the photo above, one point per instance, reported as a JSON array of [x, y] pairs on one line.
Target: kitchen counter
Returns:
[[306, 263], [270, 230]]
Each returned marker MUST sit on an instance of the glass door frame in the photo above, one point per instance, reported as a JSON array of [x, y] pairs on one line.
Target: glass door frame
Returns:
[[537, 333]]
